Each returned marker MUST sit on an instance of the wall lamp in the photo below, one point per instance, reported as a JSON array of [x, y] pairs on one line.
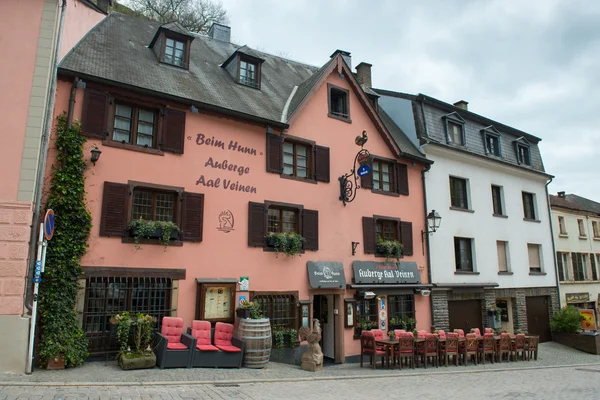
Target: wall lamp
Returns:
[[422, 292], [433, 224], [95, 154]]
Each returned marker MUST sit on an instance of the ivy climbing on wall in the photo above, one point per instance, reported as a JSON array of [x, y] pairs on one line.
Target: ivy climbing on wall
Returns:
[[59, 327]]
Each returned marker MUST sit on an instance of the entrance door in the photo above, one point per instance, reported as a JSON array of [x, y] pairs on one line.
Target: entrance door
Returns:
[[538, 318], [465, 314], [323, 311]]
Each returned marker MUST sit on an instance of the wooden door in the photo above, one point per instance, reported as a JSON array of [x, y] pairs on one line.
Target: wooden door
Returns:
[[465, 314], [538, 317]]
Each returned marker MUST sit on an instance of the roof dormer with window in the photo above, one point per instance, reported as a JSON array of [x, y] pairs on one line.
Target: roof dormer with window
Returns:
[[245, 66], [491, 141], [455, 129], [523, 151], [171, 44]]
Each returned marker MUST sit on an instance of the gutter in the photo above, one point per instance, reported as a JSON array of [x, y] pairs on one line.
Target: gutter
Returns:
[[553, 242], [37, 201]]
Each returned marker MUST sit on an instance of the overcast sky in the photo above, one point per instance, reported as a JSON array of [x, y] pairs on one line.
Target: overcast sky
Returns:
[[533, 65]]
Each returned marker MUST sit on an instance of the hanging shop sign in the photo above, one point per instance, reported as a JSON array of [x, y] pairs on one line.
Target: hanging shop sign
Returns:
[[577, 297], [326, 274], [386, 272]]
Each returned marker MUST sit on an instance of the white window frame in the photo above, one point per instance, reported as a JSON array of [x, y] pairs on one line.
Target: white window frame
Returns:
[[562, 227], [581, 228], [539, 249]]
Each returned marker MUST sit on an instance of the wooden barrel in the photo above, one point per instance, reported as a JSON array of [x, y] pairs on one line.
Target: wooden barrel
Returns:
[[256, 334]]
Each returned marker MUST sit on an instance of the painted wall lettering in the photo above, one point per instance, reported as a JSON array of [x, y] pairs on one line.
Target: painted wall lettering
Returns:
[[226, 166], [201, 139], [228, 184]]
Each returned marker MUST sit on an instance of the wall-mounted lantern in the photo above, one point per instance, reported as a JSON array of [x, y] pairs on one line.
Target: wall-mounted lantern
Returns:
[[95, 154], [433, 224]]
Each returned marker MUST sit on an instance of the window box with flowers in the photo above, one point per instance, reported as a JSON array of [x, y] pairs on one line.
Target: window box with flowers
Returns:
[[289, 243], [164, 231], [389, 248]]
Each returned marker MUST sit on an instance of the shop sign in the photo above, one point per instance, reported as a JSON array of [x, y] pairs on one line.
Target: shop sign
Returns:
[[577, 297], [386, 272], [326, 274], [244, 283]]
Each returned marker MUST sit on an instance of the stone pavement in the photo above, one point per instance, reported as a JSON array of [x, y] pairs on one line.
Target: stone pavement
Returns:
[[550, 354]]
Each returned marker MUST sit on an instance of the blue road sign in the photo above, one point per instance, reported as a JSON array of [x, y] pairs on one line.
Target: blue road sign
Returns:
[[364, 170], [37, 279], [49, 224]]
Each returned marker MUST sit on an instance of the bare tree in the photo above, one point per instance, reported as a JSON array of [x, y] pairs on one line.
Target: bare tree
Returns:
[[193, 15]]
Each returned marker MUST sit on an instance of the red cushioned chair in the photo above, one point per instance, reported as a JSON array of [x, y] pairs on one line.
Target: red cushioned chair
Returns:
[[450, 348], [518, 347], [476, 331], [504, 347], [216, 348], [173, 348], [532, 347], [489, 330], [368, 347], [442, 334], [488, 346], [460, 332], [397, 332], [422, 334], [471, 347], [406, 348]]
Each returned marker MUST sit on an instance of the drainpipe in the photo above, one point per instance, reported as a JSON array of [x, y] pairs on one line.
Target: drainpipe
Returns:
[[37, 201], [553, 243]]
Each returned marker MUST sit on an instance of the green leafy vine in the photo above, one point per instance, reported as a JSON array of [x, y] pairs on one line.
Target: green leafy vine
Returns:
[[61, 333]]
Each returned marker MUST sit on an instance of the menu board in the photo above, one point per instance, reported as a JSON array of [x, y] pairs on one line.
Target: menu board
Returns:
[[217, 303]]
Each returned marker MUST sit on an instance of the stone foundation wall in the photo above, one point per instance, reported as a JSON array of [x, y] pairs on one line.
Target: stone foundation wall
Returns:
[[15, 220], [441, 318]]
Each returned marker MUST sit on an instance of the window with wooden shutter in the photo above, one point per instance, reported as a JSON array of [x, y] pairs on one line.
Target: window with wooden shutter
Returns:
[[173, 131], [256, 224], [113, 221], [192, 216], [368, 235], [322, 169], [95, 114], [366, 181], [274, 153], [310, 229], [401, 172], [406, 237]]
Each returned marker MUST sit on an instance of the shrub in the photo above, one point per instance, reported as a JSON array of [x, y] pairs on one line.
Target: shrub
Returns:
[[567, 320]]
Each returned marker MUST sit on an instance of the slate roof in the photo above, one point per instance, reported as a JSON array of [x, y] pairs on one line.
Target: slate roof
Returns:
[[574, 202], [405, 144]]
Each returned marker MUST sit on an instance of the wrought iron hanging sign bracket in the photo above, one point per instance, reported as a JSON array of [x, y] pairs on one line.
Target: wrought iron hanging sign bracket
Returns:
[[349, 183]]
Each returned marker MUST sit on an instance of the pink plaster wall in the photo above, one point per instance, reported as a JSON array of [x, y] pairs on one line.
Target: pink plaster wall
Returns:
[[79, 19], [19, 28], [227, 255]]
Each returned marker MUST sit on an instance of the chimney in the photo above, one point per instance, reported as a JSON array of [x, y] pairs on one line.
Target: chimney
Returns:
[[220, 32], [561, 195], [345, 55], [462, 104], [363, 73], [104, 4]]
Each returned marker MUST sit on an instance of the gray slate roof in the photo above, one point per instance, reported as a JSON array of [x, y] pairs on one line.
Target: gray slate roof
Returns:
[[405, 144]]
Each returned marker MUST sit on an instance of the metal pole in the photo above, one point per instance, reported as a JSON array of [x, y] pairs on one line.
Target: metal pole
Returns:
[[41, 254]]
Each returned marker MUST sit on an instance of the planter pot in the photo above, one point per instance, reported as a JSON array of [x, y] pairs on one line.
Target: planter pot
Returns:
[[242, 313], [270, 241], [144, 361], [381, 250], [157, 234], [59, 363], [587, 343]]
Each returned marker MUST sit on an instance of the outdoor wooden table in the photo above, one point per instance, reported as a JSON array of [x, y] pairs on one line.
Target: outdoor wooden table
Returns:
[[389, 344]]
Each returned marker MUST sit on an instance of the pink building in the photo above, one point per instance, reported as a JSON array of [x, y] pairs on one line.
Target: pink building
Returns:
[[26, 78], [232, 144]]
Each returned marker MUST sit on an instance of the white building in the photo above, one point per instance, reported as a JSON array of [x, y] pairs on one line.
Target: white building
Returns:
[[494, 245], [576, 223]]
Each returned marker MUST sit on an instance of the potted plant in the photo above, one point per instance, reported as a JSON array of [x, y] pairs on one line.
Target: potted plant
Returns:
[[289, 243], [142, 355], [293, 337], [278, 338], [392, 335], [165, 231], [411, 324], [396, 323], [389, 248]]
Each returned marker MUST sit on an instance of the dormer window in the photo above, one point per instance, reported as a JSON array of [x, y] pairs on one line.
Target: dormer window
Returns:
[[339, 106], [455, 129], [491, 141], [171, 44], [248, 73], [174, 52], [523, 150]]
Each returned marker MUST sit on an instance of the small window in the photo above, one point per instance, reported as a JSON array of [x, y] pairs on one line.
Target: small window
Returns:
[[339, 103], [563, 266], [174, 52], [533, 251], [382, 176], [529, 206], [401, 307], [562, 226], [595, 229], [579, 266], [280, 308], [502, 249], [366, 311], [593, 265], [248, 73], [296, 159], [463, 254], [523, 154], [497, 200], [153, 205], [458, 193], [134, 125], [282, 220], [492, 144], [387, 229], [455, 133], [581, 227]]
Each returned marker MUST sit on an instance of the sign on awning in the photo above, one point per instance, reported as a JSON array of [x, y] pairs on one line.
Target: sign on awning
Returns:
[[386, 272], [326, 275]]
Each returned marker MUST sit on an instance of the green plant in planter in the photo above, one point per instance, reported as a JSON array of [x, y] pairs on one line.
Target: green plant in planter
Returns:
[[392, 335], [567, 320], [279, 341], [253, 307], [144, 229], [293, 337], [142, 333], [390, 248], [289, 243]]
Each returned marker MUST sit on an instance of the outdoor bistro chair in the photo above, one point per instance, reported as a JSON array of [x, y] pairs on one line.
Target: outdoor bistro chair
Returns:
[[173, 348], [476, 331], [422, 334], [406, 348], [488, 330], [430, 350], [488, 346], [460, 332], [442, 333], [518, 347], [450, 348], [532, 347], [471, 347], [397, 332], [226, 352], [368, 347], [504, 347]]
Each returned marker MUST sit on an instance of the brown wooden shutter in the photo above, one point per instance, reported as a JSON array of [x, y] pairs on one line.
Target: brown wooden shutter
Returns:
[[274, 153], [257, 219], [367, 180], [113, 221], [95, 114], [322, 163], [369, 235], [310, 229], [192, 216], [407, 237], [401, 178], [173, 131]]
